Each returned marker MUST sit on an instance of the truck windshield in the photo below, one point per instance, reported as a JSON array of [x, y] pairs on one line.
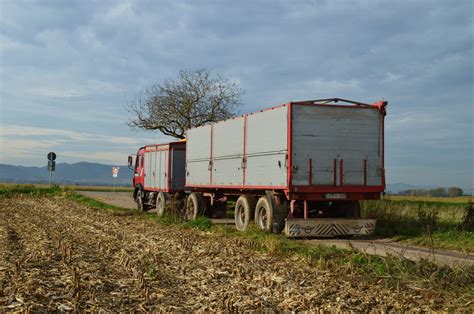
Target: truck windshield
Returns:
[[138, 161]]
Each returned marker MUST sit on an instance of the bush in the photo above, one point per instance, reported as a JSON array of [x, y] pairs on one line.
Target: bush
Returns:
[[467, 223]]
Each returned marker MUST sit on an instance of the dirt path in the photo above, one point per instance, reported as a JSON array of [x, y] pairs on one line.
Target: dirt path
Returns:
[[120, 199], [383, 247], [372, 246], [58, 255]]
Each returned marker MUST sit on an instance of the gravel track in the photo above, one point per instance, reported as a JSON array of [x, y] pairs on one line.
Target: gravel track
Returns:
[[58, 255]]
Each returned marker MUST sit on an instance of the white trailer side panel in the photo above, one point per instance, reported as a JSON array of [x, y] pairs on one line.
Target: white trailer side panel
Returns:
[[162, 165], [198, 153], [227, 152], [158, 170], [153, 159], [267, 148], [327, 133]]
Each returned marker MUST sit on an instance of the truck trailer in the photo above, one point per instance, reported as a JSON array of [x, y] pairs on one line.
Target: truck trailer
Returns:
[[301, 167]]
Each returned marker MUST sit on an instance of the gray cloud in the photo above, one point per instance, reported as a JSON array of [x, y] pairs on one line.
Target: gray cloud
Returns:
[[72, 65]]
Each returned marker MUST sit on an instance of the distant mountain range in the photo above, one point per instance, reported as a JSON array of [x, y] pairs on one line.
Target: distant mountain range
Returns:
[[82, 173], [86, 173]]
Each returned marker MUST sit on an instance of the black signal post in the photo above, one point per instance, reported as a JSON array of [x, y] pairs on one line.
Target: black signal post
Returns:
[[51, 166]]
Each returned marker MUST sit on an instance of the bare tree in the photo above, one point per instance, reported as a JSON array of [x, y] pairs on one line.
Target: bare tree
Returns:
[[195, 98]]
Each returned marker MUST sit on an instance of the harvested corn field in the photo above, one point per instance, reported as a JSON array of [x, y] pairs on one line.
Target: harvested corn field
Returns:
[[57, 254]]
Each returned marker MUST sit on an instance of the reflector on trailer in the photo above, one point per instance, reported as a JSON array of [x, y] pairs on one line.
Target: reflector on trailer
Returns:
[[327, 227]]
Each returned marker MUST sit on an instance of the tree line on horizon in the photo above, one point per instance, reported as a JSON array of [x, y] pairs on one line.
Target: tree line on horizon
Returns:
[[452, 191]]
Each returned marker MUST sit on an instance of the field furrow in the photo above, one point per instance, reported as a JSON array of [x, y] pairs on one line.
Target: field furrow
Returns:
[[59, 255]]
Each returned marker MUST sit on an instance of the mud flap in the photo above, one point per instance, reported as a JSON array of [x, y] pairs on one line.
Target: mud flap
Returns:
[[328, 227]]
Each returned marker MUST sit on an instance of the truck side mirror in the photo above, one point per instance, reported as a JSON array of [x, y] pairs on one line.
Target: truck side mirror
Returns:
[[130, 161]]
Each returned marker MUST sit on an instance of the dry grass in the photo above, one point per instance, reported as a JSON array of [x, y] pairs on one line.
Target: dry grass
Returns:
[[58, 255]]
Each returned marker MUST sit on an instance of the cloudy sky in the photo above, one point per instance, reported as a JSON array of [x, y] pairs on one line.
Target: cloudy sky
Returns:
[[69, 67]]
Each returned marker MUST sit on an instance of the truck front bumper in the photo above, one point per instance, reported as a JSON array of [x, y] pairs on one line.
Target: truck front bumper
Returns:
[[328, 227]]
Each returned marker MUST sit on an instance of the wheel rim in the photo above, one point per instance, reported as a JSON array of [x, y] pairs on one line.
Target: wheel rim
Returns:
[[159, 206], [139, 199], [264, 218]]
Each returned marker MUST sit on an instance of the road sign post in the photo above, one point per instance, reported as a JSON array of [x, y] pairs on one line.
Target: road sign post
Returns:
[[51, 166], [115, 172]]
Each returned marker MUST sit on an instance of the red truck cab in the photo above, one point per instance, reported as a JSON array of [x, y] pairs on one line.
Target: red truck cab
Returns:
[[138, 170], [159, 171]]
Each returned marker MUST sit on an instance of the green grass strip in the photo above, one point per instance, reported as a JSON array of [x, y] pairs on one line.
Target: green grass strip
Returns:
[[10, 190]]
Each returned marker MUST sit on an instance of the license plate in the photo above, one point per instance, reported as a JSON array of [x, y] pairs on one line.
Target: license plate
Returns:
[[336, 195]]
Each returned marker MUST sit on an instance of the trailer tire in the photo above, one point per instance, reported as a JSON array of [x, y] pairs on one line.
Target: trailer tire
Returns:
[[279, 211], [244, 212], [160, 203], [195, 206], [264, 214]]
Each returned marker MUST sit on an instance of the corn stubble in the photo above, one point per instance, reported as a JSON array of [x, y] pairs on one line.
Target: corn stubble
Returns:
[[57, 255]]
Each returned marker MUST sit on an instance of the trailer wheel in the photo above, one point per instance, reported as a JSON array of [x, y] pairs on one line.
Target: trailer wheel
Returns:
[[264, 214], [279, 211], [195, 206], [244, 211], [161, 201]]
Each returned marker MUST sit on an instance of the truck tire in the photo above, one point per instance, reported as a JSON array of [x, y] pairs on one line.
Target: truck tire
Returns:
[[244, 211], [161, 202], [195, 206], [264, 214], [140, 200]]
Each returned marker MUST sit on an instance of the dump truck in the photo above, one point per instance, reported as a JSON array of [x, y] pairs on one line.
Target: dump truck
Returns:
[[301, 167]]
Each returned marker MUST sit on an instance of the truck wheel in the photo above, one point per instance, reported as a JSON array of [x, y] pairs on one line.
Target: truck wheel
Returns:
[[140, 200], [194, 206], [161, 201], [244, 212], [264, 214]]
